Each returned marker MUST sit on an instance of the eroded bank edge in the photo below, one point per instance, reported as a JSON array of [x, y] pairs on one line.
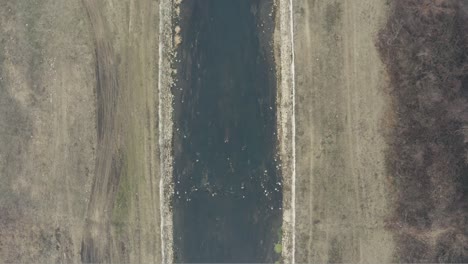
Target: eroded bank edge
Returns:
[[165, 110], [284, 58]]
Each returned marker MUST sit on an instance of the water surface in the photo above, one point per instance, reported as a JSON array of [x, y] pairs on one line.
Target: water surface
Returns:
[[227, 203]]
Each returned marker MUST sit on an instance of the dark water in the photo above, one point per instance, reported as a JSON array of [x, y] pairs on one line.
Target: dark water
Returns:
[[227, 204]]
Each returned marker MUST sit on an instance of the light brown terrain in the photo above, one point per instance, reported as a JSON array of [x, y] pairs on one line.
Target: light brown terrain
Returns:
[[86, 130], [79, 80], [342, 192], [48, 135], [79, 167]]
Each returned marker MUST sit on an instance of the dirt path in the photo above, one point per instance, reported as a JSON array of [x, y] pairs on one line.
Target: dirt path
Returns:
[[126, 207], [95, 245], [341, 188]]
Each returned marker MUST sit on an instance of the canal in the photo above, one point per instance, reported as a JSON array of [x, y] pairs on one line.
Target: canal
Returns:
[[227, 186]]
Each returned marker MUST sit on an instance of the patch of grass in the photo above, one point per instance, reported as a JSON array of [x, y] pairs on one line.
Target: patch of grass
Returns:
[[121, 209], [278, 248]]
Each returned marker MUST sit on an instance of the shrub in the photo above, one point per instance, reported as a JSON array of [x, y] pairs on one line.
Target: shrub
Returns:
[[424, 47]]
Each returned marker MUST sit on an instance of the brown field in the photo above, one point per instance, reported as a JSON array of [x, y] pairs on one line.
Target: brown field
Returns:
[[79, 159], [381, 112], [381, 130], [342, 189]]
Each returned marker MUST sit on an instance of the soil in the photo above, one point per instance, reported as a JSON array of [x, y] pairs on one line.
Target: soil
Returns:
[[371, 123], [342, 187], [79, 159]]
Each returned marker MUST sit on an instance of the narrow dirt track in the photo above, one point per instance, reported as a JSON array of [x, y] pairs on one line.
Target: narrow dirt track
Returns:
[[341, 187], [95, 245], [124, 219]]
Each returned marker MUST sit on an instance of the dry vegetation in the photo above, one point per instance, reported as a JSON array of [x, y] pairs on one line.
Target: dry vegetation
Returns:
[[425, 48]]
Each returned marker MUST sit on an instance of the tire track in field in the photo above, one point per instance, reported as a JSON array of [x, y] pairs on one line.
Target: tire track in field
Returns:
[[95, 244]]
